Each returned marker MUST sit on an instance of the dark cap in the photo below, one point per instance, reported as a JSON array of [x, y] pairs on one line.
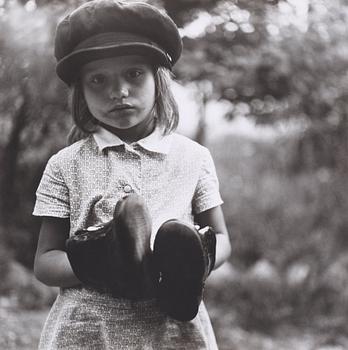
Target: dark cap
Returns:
[[105, 28]]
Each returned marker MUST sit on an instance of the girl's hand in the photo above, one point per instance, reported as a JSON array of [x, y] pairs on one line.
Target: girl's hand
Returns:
[[51, 265], [214, 218]]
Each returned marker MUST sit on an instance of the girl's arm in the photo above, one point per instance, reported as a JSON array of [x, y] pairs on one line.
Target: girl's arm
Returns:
[[51, 265], [214, 218]]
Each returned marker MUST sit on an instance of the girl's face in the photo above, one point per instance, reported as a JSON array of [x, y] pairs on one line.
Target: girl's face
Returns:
[[120, 93]]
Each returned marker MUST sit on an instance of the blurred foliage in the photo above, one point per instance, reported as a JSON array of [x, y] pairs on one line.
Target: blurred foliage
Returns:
[[285, 201], [34, 118], [289, 239], [275, 64]]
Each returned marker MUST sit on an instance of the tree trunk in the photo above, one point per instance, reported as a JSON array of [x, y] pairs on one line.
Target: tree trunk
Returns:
[[201, 136], [9, 159]]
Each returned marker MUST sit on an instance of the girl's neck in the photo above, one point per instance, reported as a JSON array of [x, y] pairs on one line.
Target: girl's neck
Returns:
[[134, 133]]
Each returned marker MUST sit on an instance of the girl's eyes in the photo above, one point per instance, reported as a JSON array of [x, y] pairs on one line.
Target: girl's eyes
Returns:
[[135, 73], [100, 79], [97, 79]]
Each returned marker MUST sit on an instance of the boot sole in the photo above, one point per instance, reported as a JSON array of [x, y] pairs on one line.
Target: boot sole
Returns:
[[179, 259]]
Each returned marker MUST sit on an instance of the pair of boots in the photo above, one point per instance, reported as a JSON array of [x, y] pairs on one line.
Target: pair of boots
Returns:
[[116, 257]]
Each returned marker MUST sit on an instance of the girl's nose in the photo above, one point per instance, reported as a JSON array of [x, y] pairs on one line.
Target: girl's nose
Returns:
[[118, 91]]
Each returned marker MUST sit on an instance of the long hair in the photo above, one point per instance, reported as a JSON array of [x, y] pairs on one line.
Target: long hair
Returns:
[[165, 108]]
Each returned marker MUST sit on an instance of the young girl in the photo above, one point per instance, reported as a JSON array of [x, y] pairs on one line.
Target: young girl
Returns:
[[116, 56]]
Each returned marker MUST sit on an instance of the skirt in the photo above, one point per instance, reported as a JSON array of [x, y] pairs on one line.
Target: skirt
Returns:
[[86, 319]]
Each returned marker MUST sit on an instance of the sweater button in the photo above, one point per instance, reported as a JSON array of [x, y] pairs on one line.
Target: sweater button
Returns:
[[127, 188]]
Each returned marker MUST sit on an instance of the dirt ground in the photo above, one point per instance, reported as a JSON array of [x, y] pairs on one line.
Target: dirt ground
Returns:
[[285, 337], [20, 330]]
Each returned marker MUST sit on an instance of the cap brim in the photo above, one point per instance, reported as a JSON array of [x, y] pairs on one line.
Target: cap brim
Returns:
[[107, 45]]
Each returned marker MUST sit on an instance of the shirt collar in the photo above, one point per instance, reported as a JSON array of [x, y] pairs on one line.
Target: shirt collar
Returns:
[[155, 142]]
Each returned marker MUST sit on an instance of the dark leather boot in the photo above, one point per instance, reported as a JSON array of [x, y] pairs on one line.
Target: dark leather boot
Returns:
[[116, 257], [183, 258]]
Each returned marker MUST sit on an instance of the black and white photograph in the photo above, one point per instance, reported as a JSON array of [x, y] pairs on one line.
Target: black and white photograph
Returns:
[[174, 174]]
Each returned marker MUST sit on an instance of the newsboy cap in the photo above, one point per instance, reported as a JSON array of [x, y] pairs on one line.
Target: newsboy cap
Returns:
[[105, 28]]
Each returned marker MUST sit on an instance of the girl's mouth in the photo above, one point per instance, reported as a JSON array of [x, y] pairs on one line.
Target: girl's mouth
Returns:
[[121, 107]]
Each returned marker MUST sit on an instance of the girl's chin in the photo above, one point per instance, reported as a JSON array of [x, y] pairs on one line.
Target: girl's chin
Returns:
[[125, 123], [118, 126]]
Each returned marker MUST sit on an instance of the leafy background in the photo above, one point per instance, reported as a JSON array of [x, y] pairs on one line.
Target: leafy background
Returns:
[[281, 66]]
